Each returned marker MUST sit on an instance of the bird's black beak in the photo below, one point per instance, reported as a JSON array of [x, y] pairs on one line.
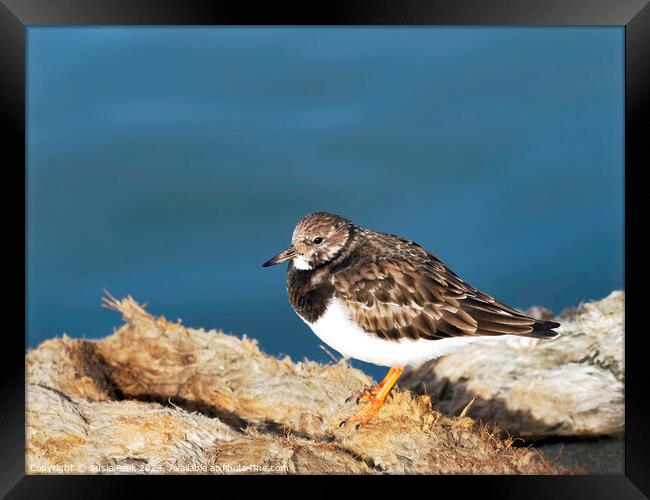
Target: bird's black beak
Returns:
[[283, 256]]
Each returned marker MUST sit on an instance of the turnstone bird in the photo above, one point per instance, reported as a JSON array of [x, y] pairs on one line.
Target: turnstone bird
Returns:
[[386, 300]]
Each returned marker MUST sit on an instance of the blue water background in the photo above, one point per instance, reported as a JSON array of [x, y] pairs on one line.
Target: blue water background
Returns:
[[169, 163]]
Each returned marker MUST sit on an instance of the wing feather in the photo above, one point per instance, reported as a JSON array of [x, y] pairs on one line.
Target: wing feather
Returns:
[[407, 293]]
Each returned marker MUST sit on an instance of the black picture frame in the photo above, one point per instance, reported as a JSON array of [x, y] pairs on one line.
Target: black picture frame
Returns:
[[17, 15]]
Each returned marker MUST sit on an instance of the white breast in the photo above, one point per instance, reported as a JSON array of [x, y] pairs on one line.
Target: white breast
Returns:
[[336, 327]]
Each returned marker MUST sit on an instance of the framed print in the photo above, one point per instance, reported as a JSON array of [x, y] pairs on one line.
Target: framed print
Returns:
[[362, 240]]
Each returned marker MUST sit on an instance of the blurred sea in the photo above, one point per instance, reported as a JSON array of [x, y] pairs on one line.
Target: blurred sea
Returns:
[[169, 163]]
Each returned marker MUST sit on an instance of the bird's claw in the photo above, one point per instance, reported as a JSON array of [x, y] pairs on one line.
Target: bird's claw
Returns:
[[346, 421], [365, 414], [367, 393]]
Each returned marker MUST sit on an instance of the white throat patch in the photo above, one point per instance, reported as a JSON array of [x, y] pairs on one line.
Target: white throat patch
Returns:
[[301, 263]]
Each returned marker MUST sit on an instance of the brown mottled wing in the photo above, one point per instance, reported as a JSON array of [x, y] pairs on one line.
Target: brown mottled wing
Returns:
[[396, 289]]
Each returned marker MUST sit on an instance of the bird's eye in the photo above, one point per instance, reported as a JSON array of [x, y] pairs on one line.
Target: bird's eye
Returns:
[[318, 240]]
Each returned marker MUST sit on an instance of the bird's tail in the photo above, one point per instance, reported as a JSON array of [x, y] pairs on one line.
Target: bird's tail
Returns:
[[544, 330]]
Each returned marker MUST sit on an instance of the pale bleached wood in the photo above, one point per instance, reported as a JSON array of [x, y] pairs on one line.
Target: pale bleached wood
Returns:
[[158, 397], [570, 386]]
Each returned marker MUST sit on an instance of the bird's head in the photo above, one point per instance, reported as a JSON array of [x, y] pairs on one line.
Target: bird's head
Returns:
[[318, 239]]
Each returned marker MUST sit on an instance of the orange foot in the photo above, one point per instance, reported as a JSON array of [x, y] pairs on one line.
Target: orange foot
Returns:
[[375, 396], [365, 394]]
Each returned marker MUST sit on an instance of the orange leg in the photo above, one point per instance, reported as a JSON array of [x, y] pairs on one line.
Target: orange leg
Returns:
[[370, 391], [376, 397]]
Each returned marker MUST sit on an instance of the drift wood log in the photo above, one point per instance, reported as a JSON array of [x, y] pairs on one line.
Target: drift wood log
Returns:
[[158, 397], [571, 386]]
